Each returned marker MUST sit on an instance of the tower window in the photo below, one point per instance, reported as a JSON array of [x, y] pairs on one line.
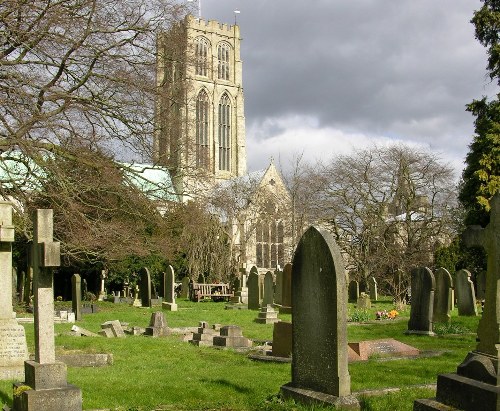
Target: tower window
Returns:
[[201, 54], [223, 59], [225, 133], [202, 145]]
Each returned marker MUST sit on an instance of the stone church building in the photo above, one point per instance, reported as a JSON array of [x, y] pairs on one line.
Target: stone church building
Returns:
[[200, 139]]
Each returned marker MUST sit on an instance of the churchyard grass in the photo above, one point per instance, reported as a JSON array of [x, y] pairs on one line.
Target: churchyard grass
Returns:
[[166, 373]]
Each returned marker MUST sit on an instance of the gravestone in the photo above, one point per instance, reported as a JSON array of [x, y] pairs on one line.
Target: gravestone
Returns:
[[481, 285], [13, 348], [145, 287], [319, 330], [204, 336], [466, 296], [476, 384], [253, 290], [442, 296], [267, 314], [45, 376], [268, 289], [423, 285], [185, 287], [169, 287], [76, 296], [353, 291], [372, 285], [364, 302], [112, 329], [157, 325], [282, 339], [286, 290], [278, 290], [102, 291], [231, 336], [388, 347]]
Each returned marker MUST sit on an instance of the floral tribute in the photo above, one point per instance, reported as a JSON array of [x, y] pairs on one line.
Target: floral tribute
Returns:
[[386, 315]]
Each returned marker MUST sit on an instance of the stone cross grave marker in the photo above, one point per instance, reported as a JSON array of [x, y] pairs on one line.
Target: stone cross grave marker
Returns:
[[444, 284], [319, 330], [253, 289], [169, 287], [76, 296], [466, 297], [145, 287], [476, 384], [13, 348], [45, 376], [423, 285]]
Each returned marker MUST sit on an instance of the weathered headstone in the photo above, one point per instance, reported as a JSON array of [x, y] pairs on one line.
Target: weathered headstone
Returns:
[[476, 384], [423, 285], [157, 325], [481, 285], [13, 348], [76, 296], [442, 296], [169, 287], [319, 343], [185, 287], [254, 297], [282, 339], [364, 302], [353, 291], [204, 336], [278, 290], [372, 285], [112, 329], [145, 287], [267, 314], [466, 296], [268, 289], [286, 290], [46, 377], [231, 336]]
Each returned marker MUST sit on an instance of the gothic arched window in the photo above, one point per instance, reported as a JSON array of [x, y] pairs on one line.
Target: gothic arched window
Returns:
[[223, 60], [269, 237], [202, 143], [201, 53], [225, 133]]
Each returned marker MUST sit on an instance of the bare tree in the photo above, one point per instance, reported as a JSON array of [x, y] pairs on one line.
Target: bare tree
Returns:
[[389, 208]]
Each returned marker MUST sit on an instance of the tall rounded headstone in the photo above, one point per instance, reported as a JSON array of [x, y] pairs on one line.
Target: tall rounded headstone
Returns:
[[466, 297], [423, 285], [319, 326], [442, 295], [145, 287], [253, 289]]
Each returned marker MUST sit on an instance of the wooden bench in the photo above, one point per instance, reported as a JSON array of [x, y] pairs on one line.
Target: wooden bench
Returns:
[[216, 292]]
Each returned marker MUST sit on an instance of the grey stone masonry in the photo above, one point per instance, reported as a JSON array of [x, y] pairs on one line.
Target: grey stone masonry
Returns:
[[319, 329], [76, 296], [204, 336], [13, 348], [476, 384], [267, 315], [442, 295], [157, 325], [466, 296], [231, 336], [45, 376], [422, 301]]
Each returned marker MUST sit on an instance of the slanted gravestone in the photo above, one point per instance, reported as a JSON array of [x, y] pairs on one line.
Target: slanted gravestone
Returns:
[[112, 329], [76, 296], [157, 325], [481, 285], [286, 290], [372, 285], [442, 296], [422, 301], [475, 386], [466, 296], [13, 348], [319, 329], [46, 378], [169, 287], [253, 290], [185, 287], [353, 291], [145, 287]]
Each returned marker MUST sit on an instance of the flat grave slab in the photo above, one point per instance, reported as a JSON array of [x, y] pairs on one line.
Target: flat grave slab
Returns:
[[363, 350]]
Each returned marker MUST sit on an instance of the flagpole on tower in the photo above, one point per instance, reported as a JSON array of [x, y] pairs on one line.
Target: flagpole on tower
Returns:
[[236, 12]]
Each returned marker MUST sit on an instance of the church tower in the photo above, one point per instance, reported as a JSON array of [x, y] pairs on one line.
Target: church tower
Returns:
[[200, 121]]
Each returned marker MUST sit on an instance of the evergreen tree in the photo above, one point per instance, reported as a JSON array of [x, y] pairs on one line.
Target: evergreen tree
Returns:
[[481, 176]]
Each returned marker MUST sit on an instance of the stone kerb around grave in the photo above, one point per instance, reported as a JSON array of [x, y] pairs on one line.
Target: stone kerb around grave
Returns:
[[319, 330]]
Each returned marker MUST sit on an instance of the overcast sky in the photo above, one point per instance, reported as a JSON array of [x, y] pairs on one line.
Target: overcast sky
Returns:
[[322, 77]]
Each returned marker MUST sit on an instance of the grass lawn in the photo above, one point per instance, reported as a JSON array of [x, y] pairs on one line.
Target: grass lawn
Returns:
[[168, 374]]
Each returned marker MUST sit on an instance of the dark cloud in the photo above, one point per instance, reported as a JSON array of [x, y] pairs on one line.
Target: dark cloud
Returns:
[[399, 69]]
